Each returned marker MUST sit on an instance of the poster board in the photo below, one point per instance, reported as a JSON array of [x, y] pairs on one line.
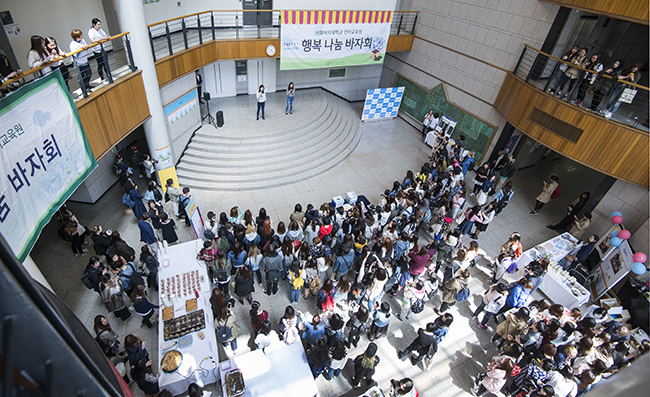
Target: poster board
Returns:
[[44, 155], [612, 269], [323, 39], [603, 246], [196, 219], [382, 103]]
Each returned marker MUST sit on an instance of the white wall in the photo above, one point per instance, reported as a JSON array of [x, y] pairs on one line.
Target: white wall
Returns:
[[353, 87], [261, 72], [56, 20], [492, 31], [99, 181], [181, 130], [167, 9]]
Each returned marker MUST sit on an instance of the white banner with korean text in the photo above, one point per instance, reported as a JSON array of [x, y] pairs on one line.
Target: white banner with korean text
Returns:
[[322, 39], [45, 156]]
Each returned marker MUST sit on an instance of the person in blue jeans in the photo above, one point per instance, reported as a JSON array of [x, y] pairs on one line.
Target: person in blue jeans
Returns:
[[261, 100], [297, 280], [338, 357], [290, 97]]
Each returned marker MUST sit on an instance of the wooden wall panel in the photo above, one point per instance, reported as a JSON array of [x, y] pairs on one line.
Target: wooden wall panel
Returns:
[[630, 10], [400, 43], [113, 111], [181, 63], [607, 146]]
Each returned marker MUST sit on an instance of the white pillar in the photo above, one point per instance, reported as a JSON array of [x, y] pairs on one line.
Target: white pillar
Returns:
[[131, 16]]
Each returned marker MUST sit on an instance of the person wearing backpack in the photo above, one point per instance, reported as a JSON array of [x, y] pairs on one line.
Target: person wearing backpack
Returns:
[[183, 202], [413, 300], [227, 330], [547, 194], [297, 281], [325, 301], [149, 264], [357, 326], [93, 273], [134, 199], [518, 296], [244, 284], [222, 269], [452, 292], [272, 266], [129, 277]]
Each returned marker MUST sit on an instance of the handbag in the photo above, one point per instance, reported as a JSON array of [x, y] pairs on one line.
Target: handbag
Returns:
[[114, 302], [314, 284], [492, 306], [628, 95]]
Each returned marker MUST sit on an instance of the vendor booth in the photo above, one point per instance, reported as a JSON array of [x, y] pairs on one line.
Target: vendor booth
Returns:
[[187, 345]]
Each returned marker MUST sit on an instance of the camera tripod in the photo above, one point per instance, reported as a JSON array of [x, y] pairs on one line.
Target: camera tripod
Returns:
[[211, 120]]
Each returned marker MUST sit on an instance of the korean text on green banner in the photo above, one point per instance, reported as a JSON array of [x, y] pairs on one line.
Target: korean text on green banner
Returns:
[[324, 39], [45, 157]]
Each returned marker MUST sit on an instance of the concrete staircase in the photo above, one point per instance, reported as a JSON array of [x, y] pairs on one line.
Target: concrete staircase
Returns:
[[248, 154]]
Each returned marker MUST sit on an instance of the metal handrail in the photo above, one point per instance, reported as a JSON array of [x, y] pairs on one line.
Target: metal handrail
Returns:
[[573, 65], [70, 55]]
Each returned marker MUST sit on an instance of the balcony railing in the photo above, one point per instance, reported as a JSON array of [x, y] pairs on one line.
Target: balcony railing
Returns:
[[626, 103], [174, 35], [117, 57]]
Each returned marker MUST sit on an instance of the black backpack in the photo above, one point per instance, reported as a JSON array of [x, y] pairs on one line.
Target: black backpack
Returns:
[[136, 277], [85, 278]]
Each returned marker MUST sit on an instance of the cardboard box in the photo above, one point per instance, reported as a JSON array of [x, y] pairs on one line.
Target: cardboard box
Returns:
[[338, 201], [350, 197]]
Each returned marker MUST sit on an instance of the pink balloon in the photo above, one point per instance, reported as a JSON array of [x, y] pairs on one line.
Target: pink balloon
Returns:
[[624, 234], [639, 257], [617, 219]]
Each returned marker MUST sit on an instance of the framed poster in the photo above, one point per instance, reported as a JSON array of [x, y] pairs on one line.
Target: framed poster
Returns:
[[603, 246], [613, 268]]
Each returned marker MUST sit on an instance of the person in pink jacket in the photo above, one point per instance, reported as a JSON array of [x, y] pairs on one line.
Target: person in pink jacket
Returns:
[[496, 376]]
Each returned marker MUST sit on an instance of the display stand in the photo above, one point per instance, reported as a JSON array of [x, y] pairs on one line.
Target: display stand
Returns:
[[557, 285], [199, 347], [612, 269]]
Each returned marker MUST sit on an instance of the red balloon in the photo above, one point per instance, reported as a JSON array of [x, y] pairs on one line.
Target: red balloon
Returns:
[[639, 257], [624, 234], [617, 219]]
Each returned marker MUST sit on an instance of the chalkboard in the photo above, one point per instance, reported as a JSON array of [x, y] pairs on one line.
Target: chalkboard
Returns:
[[417, 102]]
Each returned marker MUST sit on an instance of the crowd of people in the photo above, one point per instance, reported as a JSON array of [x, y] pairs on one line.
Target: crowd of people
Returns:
[[602, 83], [362, 265]]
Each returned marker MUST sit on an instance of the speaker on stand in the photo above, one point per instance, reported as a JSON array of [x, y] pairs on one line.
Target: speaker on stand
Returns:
[[211, 120]]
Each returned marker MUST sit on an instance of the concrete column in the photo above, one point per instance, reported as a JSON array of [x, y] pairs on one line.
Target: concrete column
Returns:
[[35, 272], [130, 14]]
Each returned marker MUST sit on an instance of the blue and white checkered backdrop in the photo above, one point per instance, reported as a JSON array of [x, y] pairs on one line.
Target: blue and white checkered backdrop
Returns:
[[382, 103]]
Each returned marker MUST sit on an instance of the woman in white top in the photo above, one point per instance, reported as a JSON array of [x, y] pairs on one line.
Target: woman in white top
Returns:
[[38, 56], [81, 58], [96, 34], [54, 51], [425, 124], [261, 100]]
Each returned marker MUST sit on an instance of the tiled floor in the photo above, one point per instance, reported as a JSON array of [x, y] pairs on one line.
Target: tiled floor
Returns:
[[386, 150]]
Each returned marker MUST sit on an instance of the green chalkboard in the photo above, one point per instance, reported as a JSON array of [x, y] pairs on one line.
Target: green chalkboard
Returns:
[[417, 102]]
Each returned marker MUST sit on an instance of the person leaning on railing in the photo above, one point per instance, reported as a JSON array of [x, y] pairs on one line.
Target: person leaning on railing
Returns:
[[603, 85], [572, 73], [38, 55], [632, 75], [589, 78], [55, 52], [568, 56], [81, 57]]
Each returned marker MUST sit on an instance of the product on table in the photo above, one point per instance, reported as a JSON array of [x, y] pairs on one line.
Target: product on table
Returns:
[[190, 305], [183, 325], [171, 361], [180, 285], [234, 383], [168, 313]]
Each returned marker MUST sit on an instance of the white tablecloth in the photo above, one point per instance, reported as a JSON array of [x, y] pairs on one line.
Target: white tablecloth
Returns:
[[555, 285], [280, 373], [431, 138], [199, 358]]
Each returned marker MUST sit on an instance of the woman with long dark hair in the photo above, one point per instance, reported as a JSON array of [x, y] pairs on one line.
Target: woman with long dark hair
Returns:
[[143, 307], [38, 55], [258, 316], [474, 214], [572, 211], [244, 284], [290, 98], [145, 378]]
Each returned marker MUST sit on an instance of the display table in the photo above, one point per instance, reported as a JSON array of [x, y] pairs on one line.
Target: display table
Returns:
[[200, 356], [281, 372], [557, 285], [374, 391]]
